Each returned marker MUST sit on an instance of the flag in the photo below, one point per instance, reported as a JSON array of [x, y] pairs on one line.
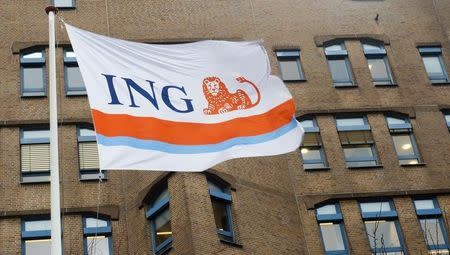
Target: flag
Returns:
[[183, 107]]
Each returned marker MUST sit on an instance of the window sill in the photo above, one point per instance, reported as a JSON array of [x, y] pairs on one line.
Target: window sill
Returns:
[[76, 93], [313, 169], [294, 81], [345, 86], [33, 94], [231, 243], [35, 182], [391, 85], [365, 167], [440, 83], [413, 165]]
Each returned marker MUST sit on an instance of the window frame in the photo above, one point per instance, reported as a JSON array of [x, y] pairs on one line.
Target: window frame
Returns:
[[71, 62], [323, 159], [434, 51], [340, 55], [73, 6], [333, 218], [434, 213], [34, 234], [95, 231], [390, 216], [152, 212], [447, 113], [24, 141], [86, 173], [404, 129], [34, 62], [379, 54], [372, 146], [290, 55], [225, 197]]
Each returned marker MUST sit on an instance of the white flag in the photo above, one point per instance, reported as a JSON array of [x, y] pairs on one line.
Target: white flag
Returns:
[[183, 107]]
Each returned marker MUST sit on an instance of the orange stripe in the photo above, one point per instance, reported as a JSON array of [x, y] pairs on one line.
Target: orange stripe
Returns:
[[188, 133]]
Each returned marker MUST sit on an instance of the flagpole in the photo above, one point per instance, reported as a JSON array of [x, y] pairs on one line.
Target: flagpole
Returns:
[[55, 210]]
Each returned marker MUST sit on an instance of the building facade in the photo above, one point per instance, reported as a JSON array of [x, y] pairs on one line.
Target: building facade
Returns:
[[371, 83]]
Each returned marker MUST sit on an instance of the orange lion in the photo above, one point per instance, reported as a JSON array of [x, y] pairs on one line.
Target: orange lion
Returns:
[[220, 100]]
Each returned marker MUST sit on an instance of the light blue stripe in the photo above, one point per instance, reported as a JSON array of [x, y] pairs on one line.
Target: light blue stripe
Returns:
[[193, 149]]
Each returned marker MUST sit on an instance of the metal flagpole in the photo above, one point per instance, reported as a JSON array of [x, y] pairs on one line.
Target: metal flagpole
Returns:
[[55, 210]]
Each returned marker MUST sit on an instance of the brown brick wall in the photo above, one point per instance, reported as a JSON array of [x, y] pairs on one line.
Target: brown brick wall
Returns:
[[271, 198]]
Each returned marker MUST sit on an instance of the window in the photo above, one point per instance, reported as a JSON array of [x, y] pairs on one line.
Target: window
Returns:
[[378, 64], [357, 141], [434, 64], [221, 204], [35, 155], [332, 229], [382, 227], [339, 65], [433, 226], [64, 3], [159, 217], [72, 76], [36, 236], [290, 66], [447, 118], [312, 149], [32, 73], [404, 142], [97, 236], [88, 154]]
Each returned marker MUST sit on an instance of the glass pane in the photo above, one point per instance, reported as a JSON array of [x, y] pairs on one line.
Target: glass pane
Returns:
[[37, 225], [408, 161], [87, 132], [70, 54], [38, 247], [332, 236], [403, 145], [354, 153], [378, 69], [311, 154], [164, 195], [88, 155], [335, 47], [290, 70], [345, 122], [372, 47], [94, 223], [376, 207], [339, 71], [432, 231], [327, 209], [214, 187], [310, 123], [33, 78], [447, 117], [382, 234], [311, 139], [33, 55], [391, 120], [355, 137], [313, 165], [163, 228], [35, 157], [424, 204], [74, 79], [31, 134], [433, 66], [221, 215], [63, 3], [98, 245]]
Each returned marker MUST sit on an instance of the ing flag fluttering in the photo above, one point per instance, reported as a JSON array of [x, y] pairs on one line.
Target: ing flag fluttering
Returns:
[[183, 107]]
